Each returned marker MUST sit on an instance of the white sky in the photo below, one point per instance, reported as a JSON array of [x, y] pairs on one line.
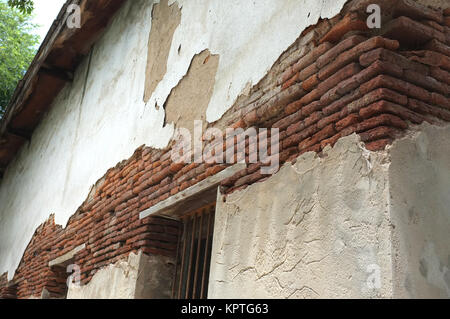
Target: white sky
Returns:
[[45, 12]]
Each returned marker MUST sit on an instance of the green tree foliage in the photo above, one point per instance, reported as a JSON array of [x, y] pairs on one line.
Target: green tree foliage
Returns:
[[25, 6], [17, 49]]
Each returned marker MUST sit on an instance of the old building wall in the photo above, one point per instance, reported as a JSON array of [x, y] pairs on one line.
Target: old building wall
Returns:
[[101, 119], [92, 126], [336, 79]]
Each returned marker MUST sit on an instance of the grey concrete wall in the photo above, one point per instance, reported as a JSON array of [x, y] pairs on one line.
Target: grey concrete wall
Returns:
[[419, 179], [138, 277]]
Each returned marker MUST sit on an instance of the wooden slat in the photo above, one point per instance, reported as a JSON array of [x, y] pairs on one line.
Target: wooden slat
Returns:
[[194, 265], [204, 279], [176, 264], [197, 262], [183, 260], [194, 218]]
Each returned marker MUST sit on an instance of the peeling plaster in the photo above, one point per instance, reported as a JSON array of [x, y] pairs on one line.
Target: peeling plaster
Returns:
[[249, 36], [190, 98], [81, 138], [165, 20]]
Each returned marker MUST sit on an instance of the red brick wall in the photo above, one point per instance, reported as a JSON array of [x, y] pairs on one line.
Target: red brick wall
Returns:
[[338, 78], [7, 291], [108, 238]]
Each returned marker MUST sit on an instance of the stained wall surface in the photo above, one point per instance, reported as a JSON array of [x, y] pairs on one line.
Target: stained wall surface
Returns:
[[101, 118]]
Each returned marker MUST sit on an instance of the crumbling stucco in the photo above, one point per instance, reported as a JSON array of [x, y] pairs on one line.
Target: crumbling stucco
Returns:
[[190, 98], [117, 281], [95, 122], [249, 36], [165, 19], [100, 118]]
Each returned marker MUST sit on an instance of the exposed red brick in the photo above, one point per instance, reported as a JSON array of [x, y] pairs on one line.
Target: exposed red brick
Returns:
[[339, 104], [378, 145], [385, 81], [416, 11], [307, 72], [380, 132], [347, 121], [293, 107], [382, 120], [303, 62], [311, 57], [440, 100], [288, 120], [351, 22], [251, 118], [238, 124], [431, 58], [291, 81], [335, 79], [310, 83], [389, 107], [311, 108], [344, 45], [434, 25], [376, 68], [426, 82], [294, 128], [353, 55], [310, 97], [313, 118], [304, 144], [410, 32], [330, 141], [440, 75], [324, 133], [392, 58], [447, 21], [328, 120]]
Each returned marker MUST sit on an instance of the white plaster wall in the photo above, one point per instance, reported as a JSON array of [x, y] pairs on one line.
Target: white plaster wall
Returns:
[[84, 135], [313, 230]]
